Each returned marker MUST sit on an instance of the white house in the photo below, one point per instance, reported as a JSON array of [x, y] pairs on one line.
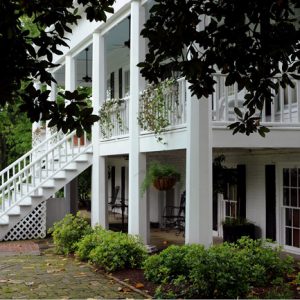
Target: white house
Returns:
[[268, 187]]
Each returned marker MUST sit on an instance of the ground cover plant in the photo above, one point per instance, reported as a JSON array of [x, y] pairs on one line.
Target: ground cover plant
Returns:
[[222, 271]]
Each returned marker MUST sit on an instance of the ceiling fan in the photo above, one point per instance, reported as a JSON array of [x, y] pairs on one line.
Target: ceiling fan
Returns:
[[86, 78], [126, 44]]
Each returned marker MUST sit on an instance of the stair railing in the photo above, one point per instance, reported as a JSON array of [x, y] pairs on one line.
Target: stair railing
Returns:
[[26, 159], [40, 169]]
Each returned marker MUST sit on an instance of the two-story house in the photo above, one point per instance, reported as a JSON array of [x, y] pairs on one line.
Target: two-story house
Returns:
[[104, 56]]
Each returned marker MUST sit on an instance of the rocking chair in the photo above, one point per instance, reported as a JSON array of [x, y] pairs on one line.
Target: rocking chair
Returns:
[[113, 203], [174, 216]]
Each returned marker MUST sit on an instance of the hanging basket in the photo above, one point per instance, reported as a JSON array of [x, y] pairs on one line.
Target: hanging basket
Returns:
[[164, 183]]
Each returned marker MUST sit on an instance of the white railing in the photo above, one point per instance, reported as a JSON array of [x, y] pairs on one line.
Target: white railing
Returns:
[[283, 111], [175, 103], [27, 158], [227, 209], [119, 121], [32, 172]]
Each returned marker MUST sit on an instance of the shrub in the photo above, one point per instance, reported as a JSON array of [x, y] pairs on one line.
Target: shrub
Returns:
[[222, 271], [261, 253], [67, 232], [89, 242], [170, 263], [118, 250]]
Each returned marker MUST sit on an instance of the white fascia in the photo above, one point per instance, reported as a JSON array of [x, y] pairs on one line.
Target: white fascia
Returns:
[[81, 35]]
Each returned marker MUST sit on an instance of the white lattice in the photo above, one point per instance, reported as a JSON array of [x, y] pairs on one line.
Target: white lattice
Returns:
[[32, 226]]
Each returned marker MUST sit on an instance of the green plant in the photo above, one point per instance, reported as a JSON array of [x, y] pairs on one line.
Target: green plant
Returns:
[[269, 258], [222, 271], [89, 242], [118, 250], [169, 263], [154, 112], [67, 232], [110, 110], [158, 170]]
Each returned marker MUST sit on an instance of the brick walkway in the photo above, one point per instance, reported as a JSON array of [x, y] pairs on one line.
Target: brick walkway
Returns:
[[19, 247]]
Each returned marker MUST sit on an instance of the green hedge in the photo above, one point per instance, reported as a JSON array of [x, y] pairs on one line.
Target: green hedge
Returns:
[[67, 232], [117, 250], [222, 271]]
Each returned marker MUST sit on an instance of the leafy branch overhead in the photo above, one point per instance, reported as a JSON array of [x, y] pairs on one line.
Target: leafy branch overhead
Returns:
[[27, 54], [252, 42]]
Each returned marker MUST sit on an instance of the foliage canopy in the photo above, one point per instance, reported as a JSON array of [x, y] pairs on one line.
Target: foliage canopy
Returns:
[[250, 41], [27, 54]]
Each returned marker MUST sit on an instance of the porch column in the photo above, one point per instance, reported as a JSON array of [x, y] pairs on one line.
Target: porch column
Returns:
[[52, 97], [198, 172], [36, 125], [138, 214], [70, 73], [70, 85], [99, 169]]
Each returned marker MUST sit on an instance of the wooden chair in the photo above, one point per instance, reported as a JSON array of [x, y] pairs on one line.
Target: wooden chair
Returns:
[[174, 216], [113, 203]]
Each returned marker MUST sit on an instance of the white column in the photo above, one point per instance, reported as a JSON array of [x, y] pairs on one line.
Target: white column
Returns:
[[35, 125], [138, 214], [70, 85], [52, 97], [99, 168], [70, 73], [198, 172]]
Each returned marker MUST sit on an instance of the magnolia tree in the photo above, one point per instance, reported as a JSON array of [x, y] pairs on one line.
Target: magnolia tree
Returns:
[[249, 41], [27, 52]]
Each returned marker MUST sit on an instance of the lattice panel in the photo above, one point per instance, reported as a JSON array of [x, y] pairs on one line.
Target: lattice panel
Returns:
[[32, 226]]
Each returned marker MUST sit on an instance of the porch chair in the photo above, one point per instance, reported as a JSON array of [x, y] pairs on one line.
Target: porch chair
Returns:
[[174, 216], [113, 203]]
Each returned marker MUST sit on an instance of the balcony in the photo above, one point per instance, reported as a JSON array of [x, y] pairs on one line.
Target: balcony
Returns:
[[283, 112]]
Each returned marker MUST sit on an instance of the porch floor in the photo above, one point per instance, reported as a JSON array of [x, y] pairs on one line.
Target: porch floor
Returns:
[[160, 238]]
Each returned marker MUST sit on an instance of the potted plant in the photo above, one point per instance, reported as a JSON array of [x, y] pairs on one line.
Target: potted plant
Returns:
[[161, 176], [235, 228]]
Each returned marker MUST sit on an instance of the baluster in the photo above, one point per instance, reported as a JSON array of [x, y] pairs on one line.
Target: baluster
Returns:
[[226, 100], [263, 113], [281, 92], [236, 104], [14, 190], [298, 99], [217, 95], [275, 100], [290, 103]]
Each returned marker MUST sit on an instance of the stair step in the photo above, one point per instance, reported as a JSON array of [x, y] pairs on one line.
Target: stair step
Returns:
[[4, 220], [15, 211], [26, 202], [71, 167]]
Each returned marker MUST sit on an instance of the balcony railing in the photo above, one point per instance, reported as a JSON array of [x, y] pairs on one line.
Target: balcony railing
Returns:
[[283, 111], [174, 102], [118, 123]]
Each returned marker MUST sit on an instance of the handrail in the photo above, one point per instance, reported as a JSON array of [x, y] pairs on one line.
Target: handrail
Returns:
[[39, 158], [2, 213], [13, 184], [34, 149]]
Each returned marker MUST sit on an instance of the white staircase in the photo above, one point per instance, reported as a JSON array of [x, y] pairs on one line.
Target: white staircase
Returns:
[[27, 183]]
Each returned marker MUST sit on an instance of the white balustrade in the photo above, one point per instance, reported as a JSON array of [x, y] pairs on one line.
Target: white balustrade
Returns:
[[25, 176], [283, 111], [119, 126]]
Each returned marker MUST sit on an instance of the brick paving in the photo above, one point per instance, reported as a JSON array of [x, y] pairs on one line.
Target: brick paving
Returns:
[[19, 247], [25, 275]]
